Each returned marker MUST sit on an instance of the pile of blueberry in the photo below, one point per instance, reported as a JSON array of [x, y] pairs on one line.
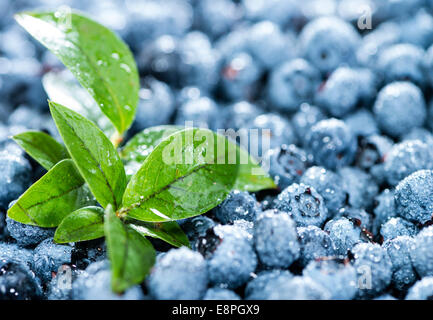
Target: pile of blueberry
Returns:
[[348, 101]]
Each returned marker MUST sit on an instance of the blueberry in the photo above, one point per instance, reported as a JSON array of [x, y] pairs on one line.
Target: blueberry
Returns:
[[60, 287], [202, 112], [417, 29], [268, 131], [384, 209], [178, 274], [413, 197], [220, 294], [340, 279], [16, 175], [395, 227], [391, 112], [299, 288], [359, 217], [11, 251], [422, 254], [156, 104], [197, 227], [29, 118], [340, 93], [240, 74], [287, 164], [305, 118], [428, 61], [362, 123], [282, 12], [344, 234], [238, 115], [292, 83], [373, 264], [95, 284], [422, 290], [199, 61], [328, 185], [230, 256], [216, 17], [269, 44], [385, 296], [359, 185], [328, 42], [315, 243], [406, 158], [420, 134], [332, 144], [262, 286], [303, 204], [17, 281], [399, 250], [237, 205], [275, 239], [372, 151], [49, 257], [27, 235], [403, 62]]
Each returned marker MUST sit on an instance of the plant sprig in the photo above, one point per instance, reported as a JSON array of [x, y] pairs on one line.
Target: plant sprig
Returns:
[[172, 173]]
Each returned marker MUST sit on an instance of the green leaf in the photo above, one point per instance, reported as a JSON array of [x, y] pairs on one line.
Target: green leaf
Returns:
[[187, 174], [100, 60], [59, 192], [131, 254], [63, 88], [168, 231], [93, 154], [251, 176], [81, 225], [42, 147]]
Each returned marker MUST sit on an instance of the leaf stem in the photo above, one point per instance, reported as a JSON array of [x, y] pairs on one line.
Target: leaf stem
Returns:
[[116, 139]]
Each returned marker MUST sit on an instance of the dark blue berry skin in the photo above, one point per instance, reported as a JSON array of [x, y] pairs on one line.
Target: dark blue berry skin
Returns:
[[220, 294], [396, 227], [413, 197], [238, 205], [17, 281], [372, 261], [94, 283], [328, 42], [287, 164], [359, 185], [203, 112], [422, 290], [384, 209], [304, 119], [16, 177], [399, 250], [340, 93], [332, 144], [264, 283], [315, 243], [269, 45], [359, 217], [372, 151], [275, 239], [27, 235], [391, 112], [284, 13], [291, 84], [216, 17], [422, 254], [328, 185], [196, 227], [405, 158], [362, 123], [421, 134], [299, 288], [240, 74], [403, 62], [178, 274], [338, 278], [48, 257], [232, 259], [303, 204], [344, 234], [428, 62], [156, 104]]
